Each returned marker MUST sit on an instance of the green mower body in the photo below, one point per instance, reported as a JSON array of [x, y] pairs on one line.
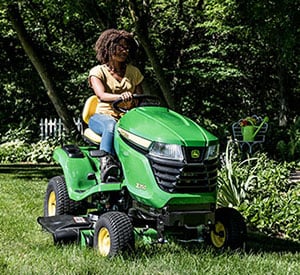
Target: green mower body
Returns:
[[168, 182]]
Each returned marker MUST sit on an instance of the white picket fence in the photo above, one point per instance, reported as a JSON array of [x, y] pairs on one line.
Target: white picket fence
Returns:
[[53, 127]]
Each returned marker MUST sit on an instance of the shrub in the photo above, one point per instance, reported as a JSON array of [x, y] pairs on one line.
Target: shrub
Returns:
[[42, 151], [260, 188], [272, 204], [17, 151], [17, 134], [14, 151]]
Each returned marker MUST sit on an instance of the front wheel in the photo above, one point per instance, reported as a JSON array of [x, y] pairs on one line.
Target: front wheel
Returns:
[[57, 201], [113, 234], [229, 230]]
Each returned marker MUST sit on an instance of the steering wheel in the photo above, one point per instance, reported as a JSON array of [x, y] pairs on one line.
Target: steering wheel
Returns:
[[138, 101]]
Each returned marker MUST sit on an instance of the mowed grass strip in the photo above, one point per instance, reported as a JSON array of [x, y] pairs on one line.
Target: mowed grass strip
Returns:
[[26, 249]]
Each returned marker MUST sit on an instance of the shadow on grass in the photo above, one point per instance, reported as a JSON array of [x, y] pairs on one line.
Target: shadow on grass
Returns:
[[258, 242], [29, 171]]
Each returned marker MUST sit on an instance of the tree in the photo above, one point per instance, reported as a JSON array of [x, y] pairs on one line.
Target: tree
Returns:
[[140, 15], [274, 28], [39, 64]]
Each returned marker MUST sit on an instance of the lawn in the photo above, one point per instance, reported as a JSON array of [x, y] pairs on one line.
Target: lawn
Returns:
[[26, 249]]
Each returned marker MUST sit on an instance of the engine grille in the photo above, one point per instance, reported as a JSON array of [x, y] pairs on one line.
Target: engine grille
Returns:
[[179, 177]]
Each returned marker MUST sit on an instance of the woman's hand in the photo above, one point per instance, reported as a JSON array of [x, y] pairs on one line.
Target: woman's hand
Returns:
[[126, 96]]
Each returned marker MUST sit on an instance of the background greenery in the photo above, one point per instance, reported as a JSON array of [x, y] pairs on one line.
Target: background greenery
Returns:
[[26, 249], [214, 61]]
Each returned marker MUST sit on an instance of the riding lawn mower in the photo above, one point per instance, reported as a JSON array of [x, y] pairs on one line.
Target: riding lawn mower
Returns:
[[166, 182]]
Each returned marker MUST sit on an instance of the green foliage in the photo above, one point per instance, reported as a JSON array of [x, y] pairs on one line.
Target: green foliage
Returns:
[[14, 151], [272, 205], [289, 149], [42, 151], [64, 37], [20, 133], [274, 212], [18, 151], [260, 188], [14, 146]]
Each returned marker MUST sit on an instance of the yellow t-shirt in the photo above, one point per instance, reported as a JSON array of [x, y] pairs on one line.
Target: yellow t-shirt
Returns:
[[131, 79]]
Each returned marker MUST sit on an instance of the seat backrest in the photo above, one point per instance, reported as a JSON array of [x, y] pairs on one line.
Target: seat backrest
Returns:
[[89, 108]]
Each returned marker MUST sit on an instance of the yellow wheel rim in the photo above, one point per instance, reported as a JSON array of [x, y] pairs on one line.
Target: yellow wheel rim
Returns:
[[52, 204], [218, 237], [104, 241]]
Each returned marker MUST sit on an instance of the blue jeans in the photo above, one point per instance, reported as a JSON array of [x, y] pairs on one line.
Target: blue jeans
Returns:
[[104, 125]]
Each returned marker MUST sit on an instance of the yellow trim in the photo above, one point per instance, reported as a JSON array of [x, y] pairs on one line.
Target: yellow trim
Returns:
[[104, 241], [135, 139], [218, 240], [91, 135], [52, 204]]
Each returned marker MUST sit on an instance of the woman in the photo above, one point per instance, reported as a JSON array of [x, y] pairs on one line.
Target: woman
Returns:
[[113, 79]]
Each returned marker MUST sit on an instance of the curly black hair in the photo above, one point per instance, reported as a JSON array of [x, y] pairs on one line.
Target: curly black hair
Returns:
[[106, 44]]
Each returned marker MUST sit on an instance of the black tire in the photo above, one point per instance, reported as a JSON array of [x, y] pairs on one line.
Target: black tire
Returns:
[[113, 234], [229, 230], [57, 201]]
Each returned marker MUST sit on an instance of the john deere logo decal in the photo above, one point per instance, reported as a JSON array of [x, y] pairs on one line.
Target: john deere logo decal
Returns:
[[195, 154]]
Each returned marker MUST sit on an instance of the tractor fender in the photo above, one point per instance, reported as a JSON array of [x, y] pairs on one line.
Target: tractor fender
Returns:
[[76, 166]]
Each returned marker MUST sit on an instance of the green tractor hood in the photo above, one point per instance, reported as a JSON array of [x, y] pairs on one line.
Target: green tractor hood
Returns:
[[163, 125], [154, 175]]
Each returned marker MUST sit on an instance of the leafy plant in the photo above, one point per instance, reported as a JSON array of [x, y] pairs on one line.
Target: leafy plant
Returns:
[[21, 151], [235, 178], [272, 205], [259, 187], [42, 151], [14, 151], [21, 133]]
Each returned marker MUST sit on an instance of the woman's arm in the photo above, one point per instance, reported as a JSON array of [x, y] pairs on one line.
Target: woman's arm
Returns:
[[139, 89], [99, 90]]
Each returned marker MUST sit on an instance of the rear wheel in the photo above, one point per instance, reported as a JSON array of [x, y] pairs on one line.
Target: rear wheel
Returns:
[[113, 234], [229, 229], [57, 201]]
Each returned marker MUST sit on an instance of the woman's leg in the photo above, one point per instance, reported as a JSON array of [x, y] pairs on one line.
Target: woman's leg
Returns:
[[104, 125]]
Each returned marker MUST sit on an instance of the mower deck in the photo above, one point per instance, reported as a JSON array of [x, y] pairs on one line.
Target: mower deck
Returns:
[[65, 228]]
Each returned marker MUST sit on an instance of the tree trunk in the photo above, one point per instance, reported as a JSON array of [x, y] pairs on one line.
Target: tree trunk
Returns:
[[29, 48], [139, 12], [283, 87]]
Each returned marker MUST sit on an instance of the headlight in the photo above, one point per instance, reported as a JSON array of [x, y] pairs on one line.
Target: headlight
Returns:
[[166, 151], [212, 152]]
